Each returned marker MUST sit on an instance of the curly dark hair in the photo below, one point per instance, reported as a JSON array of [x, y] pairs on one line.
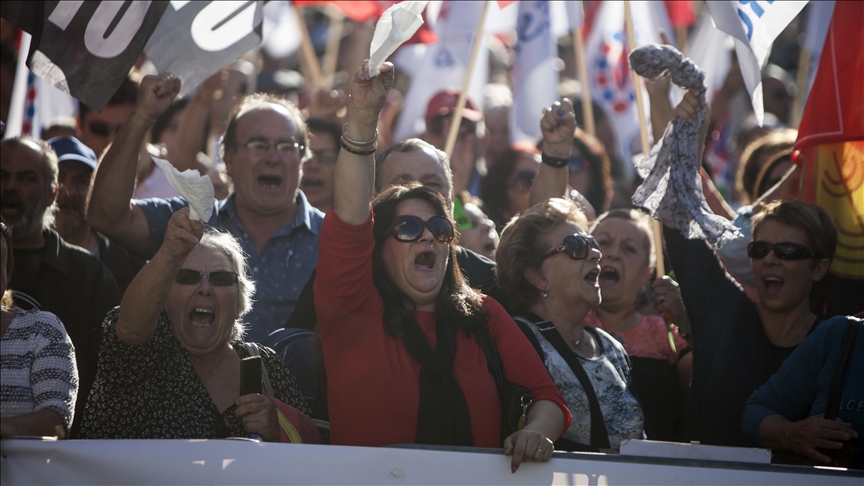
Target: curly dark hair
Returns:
[[457, 302]]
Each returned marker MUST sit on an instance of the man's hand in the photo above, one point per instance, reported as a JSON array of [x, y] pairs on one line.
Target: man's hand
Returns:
[[156, 94], [558, 124], [181, 235]]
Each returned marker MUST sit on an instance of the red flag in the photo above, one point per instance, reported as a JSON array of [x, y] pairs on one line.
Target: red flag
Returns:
[[681, 13], [361, 11], [504, 3], [831, 136]]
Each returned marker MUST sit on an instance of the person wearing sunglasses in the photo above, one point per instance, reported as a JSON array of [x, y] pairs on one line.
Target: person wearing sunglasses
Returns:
[[737, 343], [399, 325], [549, 268], [169, 363], [506, 187], [33, 345], [99, 128]]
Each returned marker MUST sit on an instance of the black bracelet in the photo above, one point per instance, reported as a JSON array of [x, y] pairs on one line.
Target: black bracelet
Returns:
[[355, 151], [554, 161]]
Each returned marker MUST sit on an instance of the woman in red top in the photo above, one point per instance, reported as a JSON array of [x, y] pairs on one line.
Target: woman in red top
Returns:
[[398, 323]]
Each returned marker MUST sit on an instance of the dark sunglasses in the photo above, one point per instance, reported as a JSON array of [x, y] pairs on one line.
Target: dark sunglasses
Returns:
[[103, 129], [783, 251], [524, 180], [576, 246], [220, 278], [410, 228]]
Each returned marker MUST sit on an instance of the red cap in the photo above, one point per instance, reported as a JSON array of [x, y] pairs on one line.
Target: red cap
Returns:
[[444, 103]]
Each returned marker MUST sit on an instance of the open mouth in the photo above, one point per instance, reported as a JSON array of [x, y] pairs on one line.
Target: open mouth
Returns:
[[425, 261], [773, 285], [609, 274], [270, 182], [311, 182], [592, 276], [68, 206], [201, 317]]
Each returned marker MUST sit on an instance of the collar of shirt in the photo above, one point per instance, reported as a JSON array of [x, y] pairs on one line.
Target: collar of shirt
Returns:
[[307, 215], [55, 252]]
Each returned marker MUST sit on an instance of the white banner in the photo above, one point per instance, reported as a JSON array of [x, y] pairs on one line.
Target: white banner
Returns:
[[754, 25]]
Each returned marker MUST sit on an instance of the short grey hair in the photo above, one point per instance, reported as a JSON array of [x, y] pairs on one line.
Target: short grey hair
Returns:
[[51, 166], [413, 145], [228, 244]]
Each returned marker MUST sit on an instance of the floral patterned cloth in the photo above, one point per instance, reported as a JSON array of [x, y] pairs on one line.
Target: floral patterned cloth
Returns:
[[672, 190], [151, 390]]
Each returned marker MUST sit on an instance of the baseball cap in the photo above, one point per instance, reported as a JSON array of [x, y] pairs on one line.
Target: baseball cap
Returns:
[[70, 148], [444, 103]]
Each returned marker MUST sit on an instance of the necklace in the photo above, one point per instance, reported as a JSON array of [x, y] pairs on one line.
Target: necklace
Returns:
[[576, 342]]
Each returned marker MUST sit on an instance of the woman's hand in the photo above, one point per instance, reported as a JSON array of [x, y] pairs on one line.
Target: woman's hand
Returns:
[[181, 235], [527, 445], [807, 436], [368, 94], [558, 124], [689, 106], [667, 298], [259, 416]]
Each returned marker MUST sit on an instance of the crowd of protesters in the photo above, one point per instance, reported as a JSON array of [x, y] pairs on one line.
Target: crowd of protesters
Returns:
[[418, 285]]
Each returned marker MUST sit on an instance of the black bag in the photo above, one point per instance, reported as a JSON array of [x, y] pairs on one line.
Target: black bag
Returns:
[[515, 399]]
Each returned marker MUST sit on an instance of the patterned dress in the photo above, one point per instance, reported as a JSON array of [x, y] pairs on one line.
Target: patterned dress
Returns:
[[37, 367], [151, 390], [610, 376]]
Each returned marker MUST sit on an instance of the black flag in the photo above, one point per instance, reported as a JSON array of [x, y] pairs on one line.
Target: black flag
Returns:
[[85, 48]]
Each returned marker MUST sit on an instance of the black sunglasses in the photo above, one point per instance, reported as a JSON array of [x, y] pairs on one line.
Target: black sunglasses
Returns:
[[410, 228], [576, 246], [219, 278], [103, 129], [783, 251]]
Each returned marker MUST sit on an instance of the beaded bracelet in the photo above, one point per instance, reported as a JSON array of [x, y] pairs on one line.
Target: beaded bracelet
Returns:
[[554, 161], [357, 142], [355, 151]]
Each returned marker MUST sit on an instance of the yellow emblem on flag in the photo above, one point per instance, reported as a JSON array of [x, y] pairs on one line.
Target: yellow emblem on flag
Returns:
[[840, 190]]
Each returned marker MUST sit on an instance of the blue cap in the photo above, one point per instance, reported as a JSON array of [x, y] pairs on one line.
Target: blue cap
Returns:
[[70, 148]]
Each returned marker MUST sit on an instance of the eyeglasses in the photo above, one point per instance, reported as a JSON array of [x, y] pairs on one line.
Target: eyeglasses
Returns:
[[523, 181], [6, 230], [326, 156], [410, 228], [260, 148], [103, 129], [576, 246], [219, 278], [783, 251]]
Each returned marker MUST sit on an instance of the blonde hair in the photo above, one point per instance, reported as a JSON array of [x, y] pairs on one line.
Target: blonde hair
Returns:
[[642, 221]]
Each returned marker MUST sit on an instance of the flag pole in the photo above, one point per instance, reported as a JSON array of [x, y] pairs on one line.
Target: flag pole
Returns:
[[310, 61], [460, 105], [582, 69], [334, 38]]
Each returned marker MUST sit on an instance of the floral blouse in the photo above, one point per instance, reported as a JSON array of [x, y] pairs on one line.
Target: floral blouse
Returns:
[[151, 390]]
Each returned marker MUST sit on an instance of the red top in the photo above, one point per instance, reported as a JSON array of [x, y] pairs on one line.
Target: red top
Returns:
[[647, 340], [372, 382]]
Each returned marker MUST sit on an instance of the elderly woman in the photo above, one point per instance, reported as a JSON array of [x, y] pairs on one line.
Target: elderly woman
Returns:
[[661, 374], [169, 365], [399, 326], [506, 187], [549, 267], [38, 376], [739, 344]]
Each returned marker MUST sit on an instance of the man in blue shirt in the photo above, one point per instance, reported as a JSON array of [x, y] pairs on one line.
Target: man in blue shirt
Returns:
[[264, 146]]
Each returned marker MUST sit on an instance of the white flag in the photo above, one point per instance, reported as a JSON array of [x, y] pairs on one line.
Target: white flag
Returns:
[[535, 80], [818, 20], [710, 49], [754, 26], [444, 65], [396, 25]]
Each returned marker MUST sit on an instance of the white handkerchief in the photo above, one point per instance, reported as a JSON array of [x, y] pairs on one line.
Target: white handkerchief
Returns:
[[395, 26], [192, 186]]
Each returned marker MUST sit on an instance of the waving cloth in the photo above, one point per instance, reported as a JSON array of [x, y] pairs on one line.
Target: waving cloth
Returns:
[[672, 190]]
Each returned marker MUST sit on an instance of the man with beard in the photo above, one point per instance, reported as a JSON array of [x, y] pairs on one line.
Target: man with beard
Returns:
[[50, 274], [77, 163]]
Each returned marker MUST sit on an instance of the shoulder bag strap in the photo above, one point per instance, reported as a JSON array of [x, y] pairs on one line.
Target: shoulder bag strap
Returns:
[[839, 368], [599, 435], [493, 360], [254, 351]]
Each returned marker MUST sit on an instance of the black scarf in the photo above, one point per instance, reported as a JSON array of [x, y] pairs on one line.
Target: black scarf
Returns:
[[443, 417]]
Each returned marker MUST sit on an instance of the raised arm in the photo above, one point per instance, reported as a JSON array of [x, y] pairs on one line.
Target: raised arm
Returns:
[[355, 172], [193, 127], [144, 298], [110, 209], [558, 124]]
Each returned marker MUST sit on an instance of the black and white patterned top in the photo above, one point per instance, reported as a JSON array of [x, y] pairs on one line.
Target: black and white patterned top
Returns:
[[610, 376], [37, 367], [672, 190], [151, 390]]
